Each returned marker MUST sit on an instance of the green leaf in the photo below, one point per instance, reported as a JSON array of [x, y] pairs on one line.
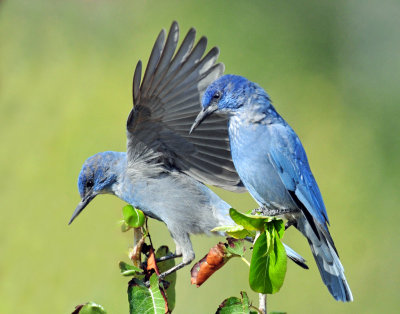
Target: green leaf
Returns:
[[258, 275], [143, 299], [269, 233], [278, 262], [231, 305], [279, 226], [236, 231], [133, 217], [268, 263], [163, 266], [125, 227], [129, 270], [249, 212], [92, 308], [234, 305], [249, 222], [235, 247], [241, 234], [233, 228]]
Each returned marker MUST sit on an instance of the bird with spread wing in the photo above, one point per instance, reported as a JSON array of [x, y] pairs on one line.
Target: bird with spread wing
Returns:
[[165, 170]]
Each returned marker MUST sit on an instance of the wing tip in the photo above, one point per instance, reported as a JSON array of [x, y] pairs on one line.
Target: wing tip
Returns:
[[174, 30], [136, 82]]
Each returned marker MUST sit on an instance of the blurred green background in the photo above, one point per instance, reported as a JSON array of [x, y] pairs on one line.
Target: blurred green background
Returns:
[[332, 69]]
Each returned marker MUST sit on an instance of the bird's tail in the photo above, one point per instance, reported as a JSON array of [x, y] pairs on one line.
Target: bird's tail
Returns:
[[327, 259]]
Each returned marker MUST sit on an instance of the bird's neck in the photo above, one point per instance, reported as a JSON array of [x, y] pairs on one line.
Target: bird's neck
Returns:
[[257, 110], [248, 125], [125, 185]]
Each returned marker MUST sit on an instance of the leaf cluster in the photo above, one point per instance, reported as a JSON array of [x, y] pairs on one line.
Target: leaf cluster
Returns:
[[268, 261], [147, 295]]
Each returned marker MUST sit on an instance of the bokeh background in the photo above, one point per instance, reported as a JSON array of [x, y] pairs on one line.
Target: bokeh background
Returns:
[[332, 69]]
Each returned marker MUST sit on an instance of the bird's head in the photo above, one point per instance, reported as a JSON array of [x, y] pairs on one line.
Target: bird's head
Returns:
[[226, 95], [97, 175]]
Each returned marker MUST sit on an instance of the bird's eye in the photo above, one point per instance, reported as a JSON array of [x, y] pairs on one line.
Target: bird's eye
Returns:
[[217, 96], [89, 183]]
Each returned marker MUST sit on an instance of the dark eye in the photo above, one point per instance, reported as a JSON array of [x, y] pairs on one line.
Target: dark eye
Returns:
[[89, 183], [217, 96]]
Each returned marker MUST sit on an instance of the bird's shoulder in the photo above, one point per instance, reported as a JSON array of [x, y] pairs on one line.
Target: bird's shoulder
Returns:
[[286, 148]]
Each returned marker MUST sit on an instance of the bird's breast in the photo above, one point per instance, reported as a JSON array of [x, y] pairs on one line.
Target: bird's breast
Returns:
[[177, 200], [250, 147]]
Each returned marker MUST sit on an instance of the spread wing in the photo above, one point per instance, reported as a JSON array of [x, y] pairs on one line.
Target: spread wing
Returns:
[[167, 102]]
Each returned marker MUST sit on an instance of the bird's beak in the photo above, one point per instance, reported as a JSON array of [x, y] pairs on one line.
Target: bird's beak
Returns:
[[82, 204], [204, 113]]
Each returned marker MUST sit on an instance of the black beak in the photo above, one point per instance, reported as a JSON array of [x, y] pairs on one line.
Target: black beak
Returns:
[[82, 204], [204, 113]]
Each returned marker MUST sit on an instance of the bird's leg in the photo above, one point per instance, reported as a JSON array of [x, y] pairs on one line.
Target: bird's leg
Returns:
[[168, 272], [183, 248], [167, 257], [173, 269]]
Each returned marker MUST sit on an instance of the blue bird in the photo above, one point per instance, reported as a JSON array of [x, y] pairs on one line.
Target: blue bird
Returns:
[[273, 166], [164, 170]]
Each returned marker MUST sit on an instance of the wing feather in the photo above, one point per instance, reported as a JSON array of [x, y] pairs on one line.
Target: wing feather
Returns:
[[165, 105], [291, 162], [153, 62], [179, 58], [168, 52]]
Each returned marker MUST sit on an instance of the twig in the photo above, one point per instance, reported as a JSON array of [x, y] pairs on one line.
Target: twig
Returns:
[[246, 261], [256, 309], [138, 241], [262, 300]]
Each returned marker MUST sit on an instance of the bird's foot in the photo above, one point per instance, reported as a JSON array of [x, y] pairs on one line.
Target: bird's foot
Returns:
[[257, 211], [165, 284], [271, 212]]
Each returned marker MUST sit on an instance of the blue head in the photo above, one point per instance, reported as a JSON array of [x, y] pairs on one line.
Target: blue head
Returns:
[[97, 176], [229, 94]]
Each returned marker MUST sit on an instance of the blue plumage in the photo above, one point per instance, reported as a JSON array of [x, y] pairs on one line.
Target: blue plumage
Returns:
[[164, 170], [273, 166]]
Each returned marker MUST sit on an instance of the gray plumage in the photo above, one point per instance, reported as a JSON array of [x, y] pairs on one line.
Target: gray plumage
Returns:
[[165, 169], [164, 106]]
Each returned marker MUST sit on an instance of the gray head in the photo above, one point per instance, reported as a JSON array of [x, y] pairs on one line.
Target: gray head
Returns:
[[229, 94], [97, 175]]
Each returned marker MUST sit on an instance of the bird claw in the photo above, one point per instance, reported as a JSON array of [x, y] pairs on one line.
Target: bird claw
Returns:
[[257, 211], [147, 283], [272, 212], [165, 284], [162, 276]]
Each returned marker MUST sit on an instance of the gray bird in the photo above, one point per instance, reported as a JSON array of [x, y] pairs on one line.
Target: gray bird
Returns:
[[164, 170]]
